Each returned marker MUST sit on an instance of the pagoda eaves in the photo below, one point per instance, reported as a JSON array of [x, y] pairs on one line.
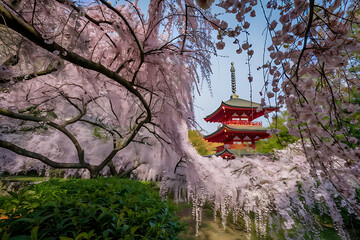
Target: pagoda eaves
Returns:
[[235, 134], [225, 153], [237, 110]]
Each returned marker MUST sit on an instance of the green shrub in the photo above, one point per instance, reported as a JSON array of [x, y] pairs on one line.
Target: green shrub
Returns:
[[279, 141], [103, 208]]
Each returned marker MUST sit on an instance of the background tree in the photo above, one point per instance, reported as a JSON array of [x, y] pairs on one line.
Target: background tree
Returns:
[[277, 141], [202, 146]]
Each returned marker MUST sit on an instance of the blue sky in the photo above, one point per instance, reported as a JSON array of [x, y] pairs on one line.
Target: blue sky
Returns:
[[205, 104]]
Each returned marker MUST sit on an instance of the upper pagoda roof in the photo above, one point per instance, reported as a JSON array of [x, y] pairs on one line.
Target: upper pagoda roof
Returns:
[[240, 103], [235, 103]]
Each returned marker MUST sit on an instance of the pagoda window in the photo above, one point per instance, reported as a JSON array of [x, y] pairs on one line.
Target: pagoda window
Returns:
[[236, 119], [244, 118], [237, 142]]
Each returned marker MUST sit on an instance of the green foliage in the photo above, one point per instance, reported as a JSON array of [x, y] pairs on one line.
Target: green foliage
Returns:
[[20, 178], [357, 191], [99, 133], [351, 222], [52, 114], [202, 146], [56, 173], [279, 141], [103, 208], [353, 129]]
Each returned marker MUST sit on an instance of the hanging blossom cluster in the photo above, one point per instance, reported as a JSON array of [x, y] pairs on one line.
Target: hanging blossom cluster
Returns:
[[314, 54], [312, 70], [240, 9], [280, 192]]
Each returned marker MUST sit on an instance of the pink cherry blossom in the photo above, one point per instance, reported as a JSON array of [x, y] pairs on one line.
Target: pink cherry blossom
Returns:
[[220, 45], [246, 25], [273, 25], [246, 46], [204, 4], [253, 13]]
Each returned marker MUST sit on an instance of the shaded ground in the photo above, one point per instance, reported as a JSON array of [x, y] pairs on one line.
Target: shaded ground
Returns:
[[209, 230]]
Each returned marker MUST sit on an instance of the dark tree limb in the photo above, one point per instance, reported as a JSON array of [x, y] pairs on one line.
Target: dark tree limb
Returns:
[[80, 151], [307, 31], [30, 76], [23, 152]]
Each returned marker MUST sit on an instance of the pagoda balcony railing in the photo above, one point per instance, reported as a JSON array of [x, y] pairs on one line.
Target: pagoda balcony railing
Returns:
[[243, 123]]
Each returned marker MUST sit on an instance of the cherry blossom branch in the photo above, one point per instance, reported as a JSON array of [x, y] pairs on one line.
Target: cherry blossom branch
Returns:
[[23, 152], [333, 14], [186, 29], [80, 151], [138, 13], [142, 55], [178, 163], [160, 138], [311, 15], [111, 131], [128, 25], [30, 76], [97, 23], [33, 35], [82, 164]]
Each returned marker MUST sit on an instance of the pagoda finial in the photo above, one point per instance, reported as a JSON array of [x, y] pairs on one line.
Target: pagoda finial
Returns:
[[233, 83]]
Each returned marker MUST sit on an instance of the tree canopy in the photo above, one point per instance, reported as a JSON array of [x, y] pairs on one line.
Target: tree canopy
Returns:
[[202, 146], [277, 141]]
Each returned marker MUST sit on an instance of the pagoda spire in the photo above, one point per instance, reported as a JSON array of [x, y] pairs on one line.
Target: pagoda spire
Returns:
[[233, 83]]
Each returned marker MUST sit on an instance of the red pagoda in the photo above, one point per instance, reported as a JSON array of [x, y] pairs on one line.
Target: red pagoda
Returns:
[[238, 127]]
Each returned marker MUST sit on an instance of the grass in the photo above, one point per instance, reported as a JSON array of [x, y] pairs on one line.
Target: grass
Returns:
[[22, 178]]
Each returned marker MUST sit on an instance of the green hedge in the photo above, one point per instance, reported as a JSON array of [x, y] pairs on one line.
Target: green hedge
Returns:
[[103, 208]]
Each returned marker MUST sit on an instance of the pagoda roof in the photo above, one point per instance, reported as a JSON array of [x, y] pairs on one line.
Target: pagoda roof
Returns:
[[241, 103], [236, 129], [225, 152], [237, 152], [235, 103], [246, 128]]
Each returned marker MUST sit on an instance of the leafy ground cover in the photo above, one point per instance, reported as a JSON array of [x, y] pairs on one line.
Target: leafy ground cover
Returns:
[[104, 208]]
